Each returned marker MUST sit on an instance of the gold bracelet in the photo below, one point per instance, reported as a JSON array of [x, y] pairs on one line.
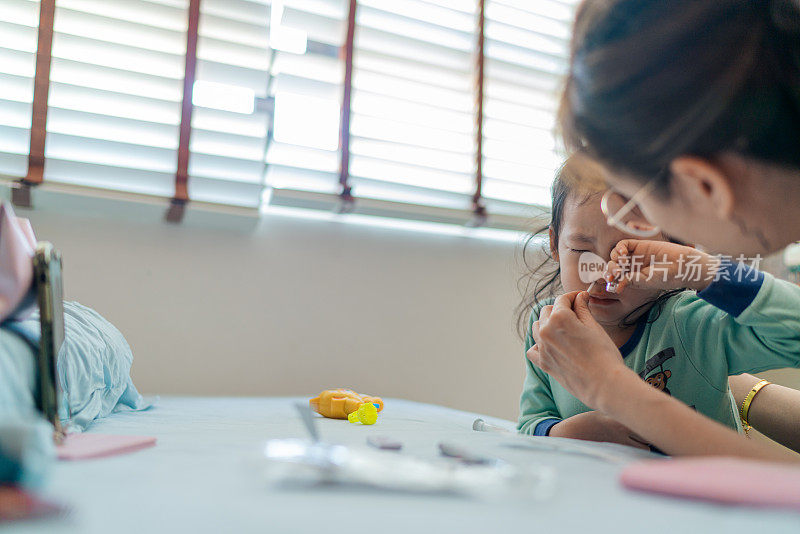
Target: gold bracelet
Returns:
[[744, 412]]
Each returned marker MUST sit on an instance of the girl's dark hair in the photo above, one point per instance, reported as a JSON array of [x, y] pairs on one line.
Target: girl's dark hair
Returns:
[[542, 276], [581, 177], [652, 80]]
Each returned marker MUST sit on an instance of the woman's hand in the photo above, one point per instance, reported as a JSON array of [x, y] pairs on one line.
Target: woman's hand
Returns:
[[659, 265], [594, 426], [575, 350]]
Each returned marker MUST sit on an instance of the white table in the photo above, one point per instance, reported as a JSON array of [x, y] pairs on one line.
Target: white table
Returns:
[[203, 476]]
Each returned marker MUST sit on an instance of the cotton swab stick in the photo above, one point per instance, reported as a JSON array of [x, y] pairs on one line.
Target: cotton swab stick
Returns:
[[482, 426]]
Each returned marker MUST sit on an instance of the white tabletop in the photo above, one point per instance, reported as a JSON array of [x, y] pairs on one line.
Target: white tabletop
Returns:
[[204, 476]]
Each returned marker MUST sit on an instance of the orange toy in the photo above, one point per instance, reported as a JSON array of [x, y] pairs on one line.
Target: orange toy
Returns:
[[339, 403]]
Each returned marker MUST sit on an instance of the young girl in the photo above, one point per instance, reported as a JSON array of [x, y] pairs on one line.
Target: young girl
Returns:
[[674, 340]]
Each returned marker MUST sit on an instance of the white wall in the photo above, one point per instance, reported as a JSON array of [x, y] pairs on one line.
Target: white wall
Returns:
[[287, 306], [227, 305]]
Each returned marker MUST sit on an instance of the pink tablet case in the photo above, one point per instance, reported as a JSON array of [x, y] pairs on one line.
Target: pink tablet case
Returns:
[[725, 480], [84, 446]]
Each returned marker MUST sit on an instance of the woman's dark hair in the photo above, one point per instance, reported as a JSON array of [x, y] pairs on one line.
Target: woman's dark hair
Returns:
[[652, 80], [581, 178]]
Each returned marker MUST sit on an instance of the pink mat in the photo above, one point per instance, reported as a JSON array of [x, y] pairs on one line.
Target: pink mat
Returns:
[[725, 480], [84, 446]]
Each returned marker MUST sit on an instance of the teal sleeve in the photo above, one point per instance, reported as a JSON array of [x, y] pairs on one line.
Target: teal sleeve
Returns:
[[753, 321], [536, 403]]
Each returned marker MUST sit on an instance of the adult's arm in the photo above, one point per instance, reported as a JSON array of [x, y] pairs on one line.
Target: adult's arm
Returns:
[[574, 349], [774, 411]]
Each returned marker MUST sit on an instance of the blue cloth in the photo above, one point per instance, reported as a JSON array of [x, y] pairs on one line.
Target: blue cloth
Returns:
[[734, 288], [543, 427], [93, 365], [26, 451], [17, 371], [26, 442], [629, 345]]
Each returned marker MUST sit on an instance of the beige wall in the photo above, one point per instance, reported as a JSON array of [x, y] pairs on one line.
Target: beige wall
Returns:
[[227, 305], [290, 306]]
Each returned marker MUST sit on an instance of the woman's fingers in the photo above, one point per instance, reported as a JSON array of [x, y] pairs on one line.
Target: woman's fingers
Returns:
[[564, 302], [534, 355], [620, 250], [559, 318], [535, 332], [538, 358], [615, 279], [581, 307], [637, 247], [612, 271], [630, 258], [544, 313]]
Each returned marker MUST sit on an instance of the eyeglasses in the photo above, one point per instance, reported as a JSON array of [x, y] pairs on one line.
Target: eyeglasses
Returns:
[[618, 211]]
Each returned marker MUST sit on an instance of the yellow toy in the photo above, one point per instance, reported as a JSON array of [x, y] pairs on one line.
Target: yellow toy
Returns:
[[366, 414], [339, 403]]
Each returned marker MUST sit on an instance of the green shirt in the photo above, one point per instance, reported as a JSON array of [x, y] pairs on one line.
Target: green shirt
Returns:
[[746, 321]]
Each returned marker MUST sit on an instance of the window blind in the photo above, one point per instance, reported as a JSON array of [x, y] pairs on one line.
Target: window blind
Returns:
[[526, 54], [304, 157], [267, 101], [230, 118], [413, 120], [115, 94], [413, 123], [19, 20]]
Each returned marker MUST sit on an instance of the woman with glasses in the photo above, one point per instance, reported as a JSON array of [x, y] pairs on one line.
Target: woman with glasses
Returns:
[[693, 108], [670, 337]]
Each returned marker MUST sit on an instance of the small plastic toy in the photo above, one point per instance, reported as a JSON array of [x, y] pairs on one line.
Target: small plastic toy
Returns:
[[339, 403], [367, 414]]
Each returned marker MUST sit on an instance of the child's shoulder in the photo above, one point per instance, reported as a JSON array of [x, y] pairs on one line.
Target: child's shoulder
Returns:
[[537, 308], [683, 305], [680, 298]]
